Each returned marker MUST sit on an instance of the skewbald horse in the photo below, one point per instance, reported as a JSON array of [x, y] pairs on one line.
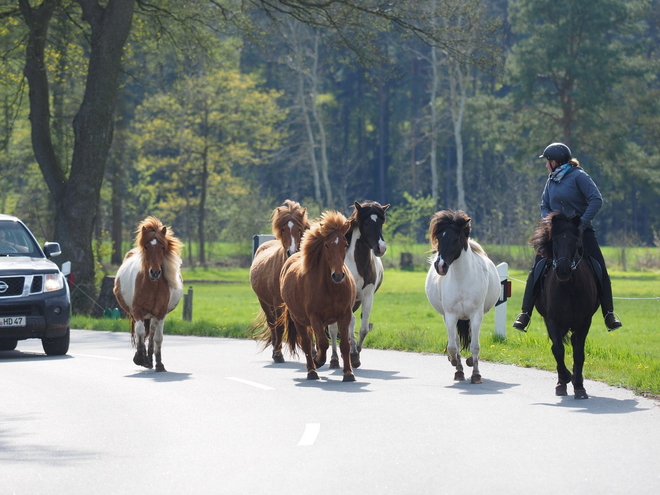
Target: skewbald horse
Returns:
[[148, 285], [289, 222], [318, 290], [462, 285]]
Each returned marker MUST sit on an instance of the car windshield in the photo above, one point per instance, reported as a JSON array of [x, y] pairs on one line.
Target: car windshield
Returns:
[[16, 241]]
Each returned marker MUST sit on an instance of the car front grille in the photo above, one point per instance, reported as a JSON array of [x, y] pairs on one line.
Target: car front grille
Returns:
[[20, 310], [15, 286]]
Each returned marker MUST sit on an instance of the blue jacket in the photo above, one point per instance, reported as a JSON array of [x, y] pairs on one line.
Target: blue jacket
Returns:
[[575, 194]]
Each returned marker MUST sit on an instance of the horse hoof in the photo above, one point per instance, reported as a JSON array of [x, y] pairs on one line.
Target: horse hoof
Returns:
[[355, 360], [581, 394], [350, 377], [469, 361], [476, 379], [160, 367], [278, 358], [459, 376], [312, 375], [560, 390], [334, 364]]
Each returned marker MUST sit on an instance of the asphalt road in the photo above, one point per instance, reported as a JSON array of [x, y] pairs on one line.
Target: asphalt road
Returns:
[[225, 420]]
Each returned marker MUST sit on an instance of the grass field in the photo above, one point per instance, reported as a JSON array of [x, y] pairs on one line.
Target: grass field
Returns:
[[224, 305]]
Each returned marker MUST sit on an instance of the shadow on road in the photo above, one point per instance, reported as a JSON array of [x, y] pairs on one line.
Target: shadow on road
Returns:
[[596, 405], [168, 376], [488, 387], [28, 356]]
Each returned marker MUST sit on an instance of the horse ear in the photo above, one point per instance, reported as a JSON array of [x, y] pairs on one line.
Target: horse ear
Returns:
[[386, 207], [357, 206], [163, 231]]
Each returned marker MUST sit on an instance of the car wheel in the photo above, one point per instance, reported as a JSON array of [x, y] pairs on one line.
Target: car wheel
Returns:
[[57, 346], [8, 345]]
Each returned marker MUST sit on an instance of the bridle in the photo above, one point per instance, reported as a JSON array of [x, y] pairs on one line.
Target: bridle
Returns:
[[574, 262]]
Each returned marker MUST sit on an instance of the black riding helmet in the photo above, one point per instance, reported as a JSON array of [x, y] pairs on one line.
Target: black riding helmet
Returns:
[[558, 152]]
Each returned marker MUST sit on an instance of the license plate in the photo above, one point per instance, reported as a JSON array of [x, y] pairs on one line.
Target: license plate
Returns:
[[12, 321]]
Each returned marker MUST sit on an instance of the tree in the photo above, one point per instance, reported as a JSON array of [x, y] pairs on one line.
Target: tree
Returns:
[[75, 189], [206, 133]]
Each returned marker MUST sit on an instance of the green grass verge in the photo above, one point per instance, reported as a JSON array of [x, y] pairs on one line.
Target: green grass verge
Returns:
[[224, 306]]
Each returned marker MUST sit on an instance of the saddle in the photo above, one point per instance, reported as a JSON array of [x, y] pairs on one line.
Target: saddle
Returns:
[[542, 266]]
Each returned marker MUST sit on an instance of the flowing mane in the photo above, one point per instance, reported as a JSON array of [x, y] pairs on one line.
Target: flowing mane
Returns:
[[151, 229], [443, 219], [541, 239], [312, 242], [290, 211]]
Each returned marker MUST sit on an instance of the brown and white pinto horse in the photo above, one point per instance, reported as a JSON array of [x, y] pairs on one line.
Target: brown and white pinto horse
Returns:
[[318, 290], [148, 285], [366, 246], [289, 222]]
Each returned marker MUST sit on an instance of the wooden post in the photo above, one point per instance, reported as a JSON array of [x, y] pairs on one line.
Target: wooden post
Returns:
[[188, 305]]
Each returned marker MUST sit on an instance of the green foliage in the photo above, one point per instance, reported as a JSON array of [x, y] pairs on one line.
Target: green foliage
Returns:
[[408, 222]]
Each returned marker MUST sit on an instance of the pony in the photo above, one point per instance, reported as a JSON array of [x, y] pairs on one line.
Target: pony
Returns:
[[462, 285], [568, 297], [289, 222], [366, 246], [318, 290], [148, 285]]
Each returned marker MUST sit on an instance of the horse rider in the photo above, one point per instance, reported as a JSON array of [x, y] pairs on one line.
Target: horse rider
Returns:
[[570, 190]]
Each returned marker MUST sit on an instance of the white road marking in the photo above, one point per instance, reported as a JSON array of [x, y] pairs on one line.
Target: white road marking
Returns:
[[95, 356], [309, 435], [248, 382]]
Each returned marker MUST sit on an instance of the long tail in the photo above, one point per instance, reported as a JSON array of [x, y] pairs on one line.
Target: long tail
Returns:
[[464, 333], [260, 330], [290, 332], [133, 339]]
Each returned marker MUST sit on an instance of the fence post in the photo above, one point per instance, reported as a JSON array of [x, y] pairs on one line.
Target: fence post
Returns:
[[500, 307], [188, 305]]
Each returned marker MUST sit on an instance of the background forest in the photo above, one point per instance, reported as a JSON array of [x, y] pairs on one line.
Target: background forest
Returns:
[[222, 109]]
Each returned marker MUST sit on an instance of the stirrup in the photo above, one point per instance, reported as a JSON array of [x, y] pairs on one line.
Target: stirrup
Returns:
[[522, 320], [612, 321]]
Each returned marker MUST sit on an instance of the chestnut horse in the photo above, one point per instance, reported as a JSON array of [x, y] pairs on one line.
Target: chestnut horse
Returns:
[[569, 294], [366, 246], [318, 290], [289, 222], [462, 285], [148, 285]]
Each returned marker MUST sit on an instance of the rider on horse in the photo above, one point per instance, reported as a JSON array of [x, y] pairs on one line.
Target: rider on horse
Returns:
[[570, 190]]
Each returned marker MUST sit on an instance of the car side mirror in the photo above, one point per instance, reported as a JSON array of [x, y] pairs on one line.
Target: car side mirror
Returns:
[[52, 249]]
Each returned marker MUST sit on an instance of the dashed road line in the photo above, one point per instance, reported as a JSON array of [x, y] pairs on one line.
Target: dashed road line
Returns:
[[248, 382], [310, 434], [95, 356]]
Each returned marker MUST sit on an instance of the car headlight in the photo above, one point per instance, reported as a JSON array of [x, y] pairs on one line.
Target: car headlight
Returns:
[[53, 282]]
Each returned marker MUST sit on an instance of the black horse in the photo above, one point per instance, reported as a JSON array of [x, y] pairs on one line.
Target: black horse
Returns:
[[569, 294]]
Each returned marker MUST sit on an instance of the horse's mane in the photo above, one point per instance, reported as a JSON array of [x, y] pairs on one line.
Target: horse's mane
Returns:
[[443, 219], [353, 220], [289, 211], [151, 228], [312, 242], [554, 224]]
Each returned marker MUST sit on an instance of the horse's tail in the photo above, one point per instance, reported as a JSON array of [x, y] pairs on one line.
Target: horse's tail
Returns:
[[260, 330], [464, 333], [290, 332]]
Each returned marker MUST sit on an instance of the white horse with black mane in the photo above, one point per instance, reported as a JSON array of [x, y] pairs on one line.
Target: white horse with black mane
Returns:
[[366, 246], [462, 285]]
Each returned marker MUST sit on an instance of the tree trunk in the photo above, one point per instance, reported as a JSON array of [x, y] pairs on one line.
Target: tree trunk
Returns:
[[76, 198]]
